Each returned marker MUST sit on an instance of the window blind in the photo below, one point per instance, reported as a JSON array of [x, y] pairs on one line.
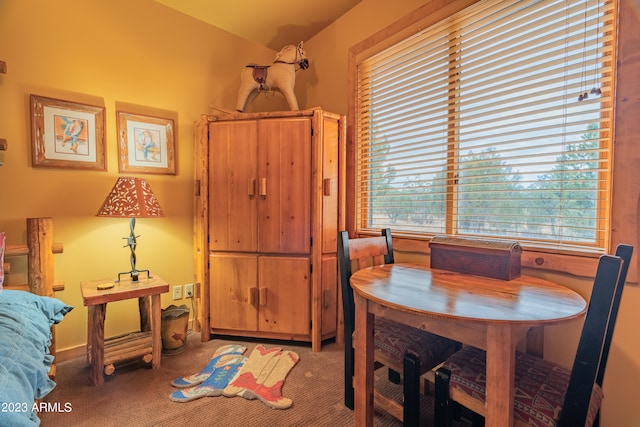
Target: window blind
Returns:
[[495, 122]]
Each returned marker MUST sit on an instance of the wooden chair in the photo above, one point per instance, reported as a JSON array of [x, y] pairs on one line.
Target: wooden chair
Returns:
[[399, 347], [546, 394]]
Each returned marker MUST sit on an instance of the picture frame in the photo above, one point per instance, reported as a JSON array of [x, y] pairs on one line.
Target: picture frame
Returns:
[[67, 134], [146, 144]]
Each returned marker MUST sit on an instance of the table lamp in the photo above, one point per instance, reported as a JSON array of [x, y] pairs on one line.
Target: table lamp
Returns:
[[131, 198]]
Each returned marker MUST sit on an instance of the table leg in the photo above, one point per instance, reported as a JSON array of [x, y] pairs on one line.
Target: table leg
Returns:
[[89, 329], [535, 341], [156, 353], [363, 382], [500, 376], [143, 306], [96, 341]]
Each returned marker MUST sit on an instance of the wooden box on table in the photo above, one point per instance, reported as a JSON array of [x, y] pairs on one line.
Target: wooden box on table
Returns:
[[499, 259]]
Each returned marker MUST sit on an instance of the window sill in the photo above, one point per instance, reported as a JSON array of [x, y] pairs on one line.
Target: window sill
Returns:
[[580, 265]]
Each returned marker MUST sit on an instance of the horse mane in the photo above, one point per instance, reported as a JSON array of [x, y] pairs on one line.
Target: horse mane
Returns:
[[284, 51]]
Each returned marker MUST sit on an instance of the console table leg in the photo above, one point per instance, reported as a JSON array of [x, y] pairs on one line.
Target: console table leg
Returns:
[[96, 342], [155, 331], [143, 304]]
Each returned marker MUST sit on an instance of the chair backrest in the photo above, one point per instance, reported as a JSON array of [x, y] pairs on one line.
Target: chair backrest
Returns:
[[354, 254], [623, 251], [592, 341]]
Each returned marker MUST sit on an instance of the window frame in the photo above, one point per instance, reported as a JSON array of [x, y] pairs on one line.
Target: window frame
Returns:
[[575, 263]]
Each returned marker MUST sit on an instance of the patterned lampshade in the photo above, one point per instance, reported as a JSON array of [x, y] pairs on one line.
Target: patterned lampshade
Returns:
[[131, 198]]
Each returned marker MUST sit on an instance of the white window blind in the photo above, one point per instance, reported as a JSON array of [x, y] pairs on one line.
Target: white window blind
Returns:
[[496, 122]]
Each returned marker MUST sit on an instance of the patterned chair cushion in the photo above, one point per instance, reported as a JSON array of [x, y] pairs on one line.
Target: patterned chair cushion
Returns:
[[394, 340], [540, 386]]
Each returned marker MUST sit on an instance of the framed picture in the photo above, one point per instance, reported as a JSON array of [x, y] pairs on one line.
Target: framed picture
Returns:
[[146, 144], [67, 134]]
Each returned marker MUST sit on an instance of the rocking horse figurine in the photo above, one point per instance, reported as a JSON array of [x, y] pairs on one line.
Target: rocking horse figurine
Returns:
[[279, 76]]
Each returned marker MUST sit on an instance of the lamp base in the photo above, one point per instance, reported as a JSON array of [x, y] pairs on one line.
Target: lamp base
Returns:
[[132, 243], [134, 274]]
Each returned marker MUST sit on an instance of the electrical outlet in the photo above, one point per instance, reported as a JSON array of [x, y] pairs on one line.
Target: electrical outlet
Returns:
[[188, 290], [177, 292]]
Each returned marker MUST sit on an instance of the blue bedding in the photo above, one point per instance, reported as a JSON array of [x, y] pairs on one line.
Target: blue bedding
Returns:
[[25, 336]]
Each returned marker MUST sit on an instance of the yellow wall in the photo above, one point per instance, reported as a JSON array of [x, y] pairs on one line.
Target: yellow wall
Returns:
[[108, 52], [327, 86]]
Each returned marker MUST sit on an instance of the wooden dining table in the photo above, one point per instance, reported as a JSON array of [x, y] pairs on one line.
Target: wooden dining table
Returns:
[[491, 314]]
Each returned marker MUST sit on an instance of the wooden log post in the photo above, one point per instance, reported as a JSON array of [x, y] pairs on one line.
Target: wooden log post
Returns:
[[40, 257]]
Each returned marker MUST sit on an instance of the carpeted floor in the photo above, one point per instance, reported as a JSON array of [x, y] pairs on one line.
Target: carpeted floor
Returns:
[[137, 395]]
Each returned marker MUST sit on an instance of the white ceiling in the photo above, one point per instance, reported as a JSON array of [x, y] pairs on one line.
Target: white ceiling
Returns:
[[273, 23]]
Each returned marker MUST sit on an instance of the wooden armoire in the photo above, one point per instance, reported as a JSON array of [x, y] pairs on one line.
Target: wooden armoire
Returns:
[[267, 211]]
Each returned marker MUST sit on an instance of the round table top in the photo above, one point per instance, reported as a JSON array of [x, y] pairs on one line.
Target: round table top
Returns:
[[416, 288]]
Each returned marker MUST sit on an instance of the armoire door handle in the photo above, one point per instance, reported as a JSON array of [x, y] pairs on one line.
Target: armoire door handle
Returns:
[[251, 187], [326, 186], [263, 187], [252, 293]]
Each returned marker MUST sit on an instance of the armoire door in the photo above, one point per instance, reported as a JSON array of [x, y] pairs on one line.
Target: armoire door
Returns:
[[233, 291], [233, 186], [284, 174], [284, 295]]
